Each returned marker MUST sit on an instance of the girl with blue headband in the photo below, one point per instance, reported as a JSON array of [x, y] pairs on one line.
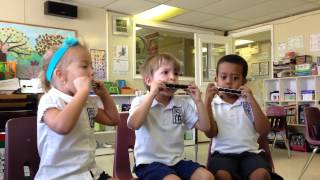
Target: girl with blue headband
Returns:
[[66, 114]]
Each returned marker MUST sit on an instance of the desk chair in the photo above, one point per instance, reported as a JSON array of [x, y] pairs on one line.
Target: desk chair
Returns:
[[312, 132], [125, 139], [21, 148], [278, 122]]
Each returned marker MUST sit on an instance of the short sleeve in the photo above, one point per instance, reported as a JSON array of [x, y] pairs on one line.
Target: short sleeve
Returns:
[[190, 114], [46, 102], [134, 105]]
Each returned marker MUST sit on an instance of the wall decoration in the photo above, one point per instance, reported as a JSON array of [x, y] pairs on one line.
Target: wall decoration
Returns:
[[98, 63], [120, 25], [264, 68], [255, 69], [26, 44]]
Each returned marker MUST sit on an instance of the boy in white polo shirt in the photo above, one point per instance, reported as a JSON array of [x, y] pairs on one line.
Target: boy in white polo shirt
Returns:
[[160, 120], [236, 123]]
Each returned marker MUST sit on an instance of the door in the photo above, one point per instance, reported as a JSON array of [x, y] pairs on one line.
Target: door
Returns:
[[209, 49]]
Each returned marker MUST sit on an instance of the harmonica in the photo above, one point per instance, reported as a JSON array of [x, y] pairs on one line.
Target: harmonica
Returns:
[[176, 86], [230, 91], [94, 85]]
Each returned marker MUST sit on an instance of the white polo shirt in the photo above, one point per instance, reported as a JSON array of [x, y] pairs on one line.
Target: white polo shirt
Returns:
[[161, 137], [69, 156], [236, 131]]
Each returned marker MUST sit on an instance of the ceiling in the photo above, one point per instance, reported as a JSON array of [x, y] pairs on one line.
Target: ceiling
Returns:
[[224, 15]]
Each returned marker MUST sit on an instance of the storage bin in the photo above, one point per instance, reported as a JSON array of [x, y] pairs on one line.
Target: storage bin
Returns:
[[307, 95], [289, 96]]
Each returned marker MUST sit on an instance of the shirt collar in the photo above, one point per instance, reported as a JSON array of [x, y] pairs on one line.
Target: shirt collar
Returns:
[[218, 100], [172, 103], [67, 98]]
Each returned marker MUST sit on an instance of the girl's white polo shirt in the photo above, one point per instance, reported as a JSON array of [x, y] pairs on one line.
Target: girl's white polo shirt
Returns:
[[69, 156]]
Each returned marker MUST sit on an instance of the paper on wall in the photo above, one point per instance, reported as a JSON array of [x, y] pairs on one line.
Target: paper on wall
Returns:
[[315, 42]]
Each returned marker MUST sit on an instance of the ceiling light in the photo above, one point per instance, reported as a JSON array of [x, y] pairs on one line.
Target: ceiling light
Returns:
[[160, 13], [240, 42]]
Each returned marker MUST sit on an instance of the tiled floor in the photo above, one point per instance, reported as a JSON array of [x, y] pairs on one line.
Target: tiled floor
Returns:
[[289, 169]]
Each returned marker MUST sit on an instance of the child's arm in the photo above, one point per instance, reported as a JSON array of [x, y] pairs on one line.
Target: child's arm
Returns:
[[109, 115], [203, 123], [63, 121], [261, 123], [139, 115], [210, 93]]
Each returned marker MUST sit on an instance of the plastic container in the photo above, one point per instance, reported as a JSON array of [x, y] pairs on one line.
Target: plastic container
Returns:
[[307, 95]]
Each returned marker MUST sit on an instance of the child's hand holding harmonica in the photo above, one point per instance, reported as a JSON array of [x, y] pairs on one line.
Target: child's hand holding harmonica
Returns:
[[99, 88]]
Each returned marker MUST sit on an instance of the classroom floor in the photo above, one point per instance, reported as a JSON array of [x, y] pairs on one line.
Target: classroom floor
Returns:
[[289, 169]]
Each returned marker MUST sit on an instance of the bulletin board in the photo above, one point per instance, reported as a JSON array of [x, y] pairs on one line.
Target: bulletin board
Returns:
[[24, 45]]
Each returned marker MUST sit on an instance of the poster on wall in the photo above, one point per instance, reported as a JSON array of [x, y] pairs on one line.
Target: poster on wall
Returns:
[[22, 47], [120, 61], [98, 58], [315, 42]]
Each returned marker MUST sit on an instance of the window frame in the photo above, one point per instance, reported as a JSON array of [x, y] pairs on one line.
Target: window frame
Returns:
[[164, 26]]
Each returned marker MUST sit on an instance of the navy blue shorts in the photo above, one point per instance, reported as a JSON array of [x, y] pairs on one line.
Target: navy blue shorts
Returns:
[[154, 171], [240, 166]]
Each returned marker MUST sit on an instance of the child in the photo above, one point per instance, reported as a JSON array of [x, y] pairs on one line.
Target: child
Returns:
[[66, 115], [160, 120], [237, 123]]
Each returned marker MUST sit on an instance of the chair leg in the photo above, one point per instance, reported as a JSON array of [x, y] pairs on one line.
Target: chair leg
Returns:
[[308, 162], [274, 140], [286, 143]]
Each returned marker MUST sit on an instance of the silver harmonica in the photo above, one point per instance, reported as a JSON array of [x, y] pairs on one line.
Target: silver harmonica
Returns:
[[176, 86], [230, 91]]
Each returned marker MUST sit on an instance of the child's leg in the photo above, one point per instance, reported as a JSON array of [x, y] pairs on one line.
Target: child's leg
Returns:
[[192, 170], [202, 174], [156, 171], [224, 166], [254, 166]]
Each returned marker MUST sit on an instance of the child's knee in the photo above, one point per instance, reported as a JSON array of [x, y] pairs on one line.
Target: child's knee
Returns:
[[223, 174], [260, 173], [203, 174]]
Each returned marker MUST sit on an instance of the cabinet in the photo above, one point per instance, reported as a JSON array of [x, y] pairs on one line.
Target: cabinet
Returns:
[[294, 93]]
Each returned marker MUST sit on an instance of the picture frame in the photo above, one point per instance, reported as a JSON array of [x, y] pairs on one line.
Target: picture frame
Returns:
[[264, 68], [25, 45], [120, 25]]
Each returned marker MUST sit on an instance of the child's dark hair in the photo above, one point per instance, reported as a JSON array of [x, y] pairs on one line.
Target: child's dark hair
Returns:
[[153, 63], [236, 59]]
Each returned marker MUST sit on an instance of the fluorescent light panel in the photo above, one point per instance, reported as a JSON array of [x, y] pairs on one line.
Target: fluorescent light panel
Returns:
[[240, 42], [160, 13]]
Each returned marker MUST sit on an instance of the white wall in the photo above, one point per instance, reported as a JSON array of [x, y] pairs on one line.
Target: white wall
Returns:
[[90, 24]]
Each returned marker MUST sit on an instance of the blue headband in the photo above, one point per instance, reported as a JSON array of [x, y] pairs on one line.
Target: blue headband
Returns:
[[67, 43]]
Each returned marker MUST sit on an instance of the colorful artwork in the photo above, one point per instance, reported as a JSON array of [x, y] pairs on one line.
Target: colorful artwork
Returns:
[[26, 44], [98, 63]]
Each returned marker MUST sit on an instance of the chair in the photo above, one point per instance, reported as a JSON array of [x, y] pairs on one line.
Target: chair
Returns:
[[278, 122], [125, 139], [21, 148], [312, 132], [263, 144]]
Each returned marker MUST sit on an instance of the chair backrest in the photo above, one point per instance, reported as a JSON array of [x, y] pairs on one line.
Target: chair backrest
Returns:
[[21, 148], [125, 139], [312, 125], [263, 144], [277, 117]]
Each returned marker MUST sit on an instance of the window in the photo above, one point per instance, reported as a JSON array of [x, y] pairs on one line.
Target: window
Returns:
[[153, 40]]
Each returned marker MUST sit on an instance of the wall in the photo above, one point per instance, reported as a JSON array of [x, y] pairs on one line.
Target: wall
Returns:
[[90, 24]]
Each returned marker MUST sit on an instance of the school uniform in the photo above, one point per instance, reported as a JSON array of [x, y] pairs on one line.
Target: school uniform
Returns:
[[236, 141], [70, 156], [160, 139]]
